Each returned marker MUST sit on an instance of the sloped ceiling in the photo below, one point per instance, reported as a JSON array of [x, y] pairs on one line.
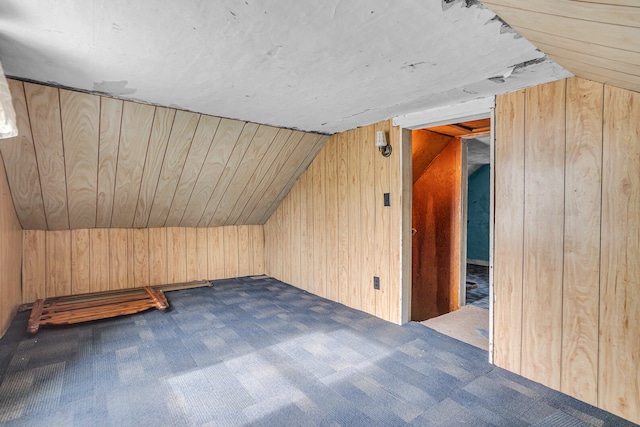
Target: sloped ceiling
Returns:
[[315, 66], [595, 39], [85, 161]]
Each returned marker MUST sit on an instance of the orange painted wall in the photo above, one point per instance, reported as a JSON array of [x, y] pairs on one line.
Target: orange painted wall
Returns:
[[436, 244]]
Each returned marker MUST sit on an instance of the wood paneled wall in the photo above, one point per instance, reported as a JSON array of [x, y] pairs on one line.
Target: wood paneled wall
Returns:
[[437, 215], [84, 161], [10, 255], [567, 233], [332, 233], [71, 262]]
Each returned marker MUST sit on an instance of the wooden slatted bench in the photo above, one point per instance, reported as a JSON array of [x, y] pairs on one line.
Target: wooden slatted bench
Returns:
[[100, 305]]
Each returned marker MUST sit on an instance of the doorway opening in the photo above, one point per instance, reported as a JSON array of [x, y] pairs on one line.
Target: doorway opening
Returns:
[[450, 228]]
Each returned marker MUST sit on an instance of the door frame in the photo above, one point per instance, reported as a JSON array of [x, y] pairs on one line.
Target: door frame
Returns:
[[466, 111]]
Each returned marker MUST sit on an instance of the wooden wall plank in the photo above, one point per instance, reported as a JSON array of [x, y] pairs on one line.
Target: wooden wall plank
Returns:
[[256, 185], [141, 257], [118, 259], [34, 271], [202, 257], [221, 148], [366, 138], [160, 132], [287, 269], [237, 191], [618, 380], [184, 128], [256, 236], [158, 262], [80, 262], [581, 281], [277, 262], [176, 255], [58, 263], [191, 249], [305, 239], [509, 228], [294, 236], [21, 165], [355, 229], [198, 152], [544, 210], [80, 114], [10, 255], [231, 264], [110, 120], [131, 258], [132, 151], [242, 144], [244, 251], [331, 218], [44, 114], [308, 200], [319, 230], [342, 202], [216, 253], [383, 226], [99, 263]]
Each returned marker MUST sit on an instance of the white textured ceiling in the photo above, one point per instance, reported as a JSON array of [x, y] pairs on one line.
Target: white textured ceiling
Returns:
[[316, 66]]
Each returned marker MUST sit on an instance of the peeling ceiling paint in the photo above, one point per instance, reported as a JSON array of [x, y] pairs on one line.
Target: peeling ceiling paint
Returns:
[[315, 66]]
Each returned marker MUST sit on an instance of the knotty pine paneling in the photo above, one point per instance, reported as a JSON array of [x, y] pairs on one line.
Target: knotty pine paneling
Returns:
[[566, 275], [11, 243], [333, 225], [70, 262], [85, 161]]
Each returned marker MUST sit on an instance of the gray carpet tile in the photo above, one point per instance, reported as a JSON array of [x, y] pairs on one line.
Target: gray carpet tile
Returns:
[[255, 351]]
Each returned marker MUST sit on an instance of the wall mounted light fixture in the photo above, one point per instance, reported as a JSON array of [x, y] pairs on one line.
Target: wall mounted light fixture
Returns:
[[382, 144]]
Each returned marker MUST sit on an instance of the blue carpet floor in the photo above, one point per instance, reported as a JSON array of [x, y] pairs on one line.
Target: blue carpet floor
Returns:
[[255, 351]]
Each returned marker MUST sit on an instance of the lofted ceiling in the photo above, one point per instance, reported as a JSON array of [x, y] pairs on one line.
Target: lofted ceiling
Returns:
[[597, 40], [314, 66]]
